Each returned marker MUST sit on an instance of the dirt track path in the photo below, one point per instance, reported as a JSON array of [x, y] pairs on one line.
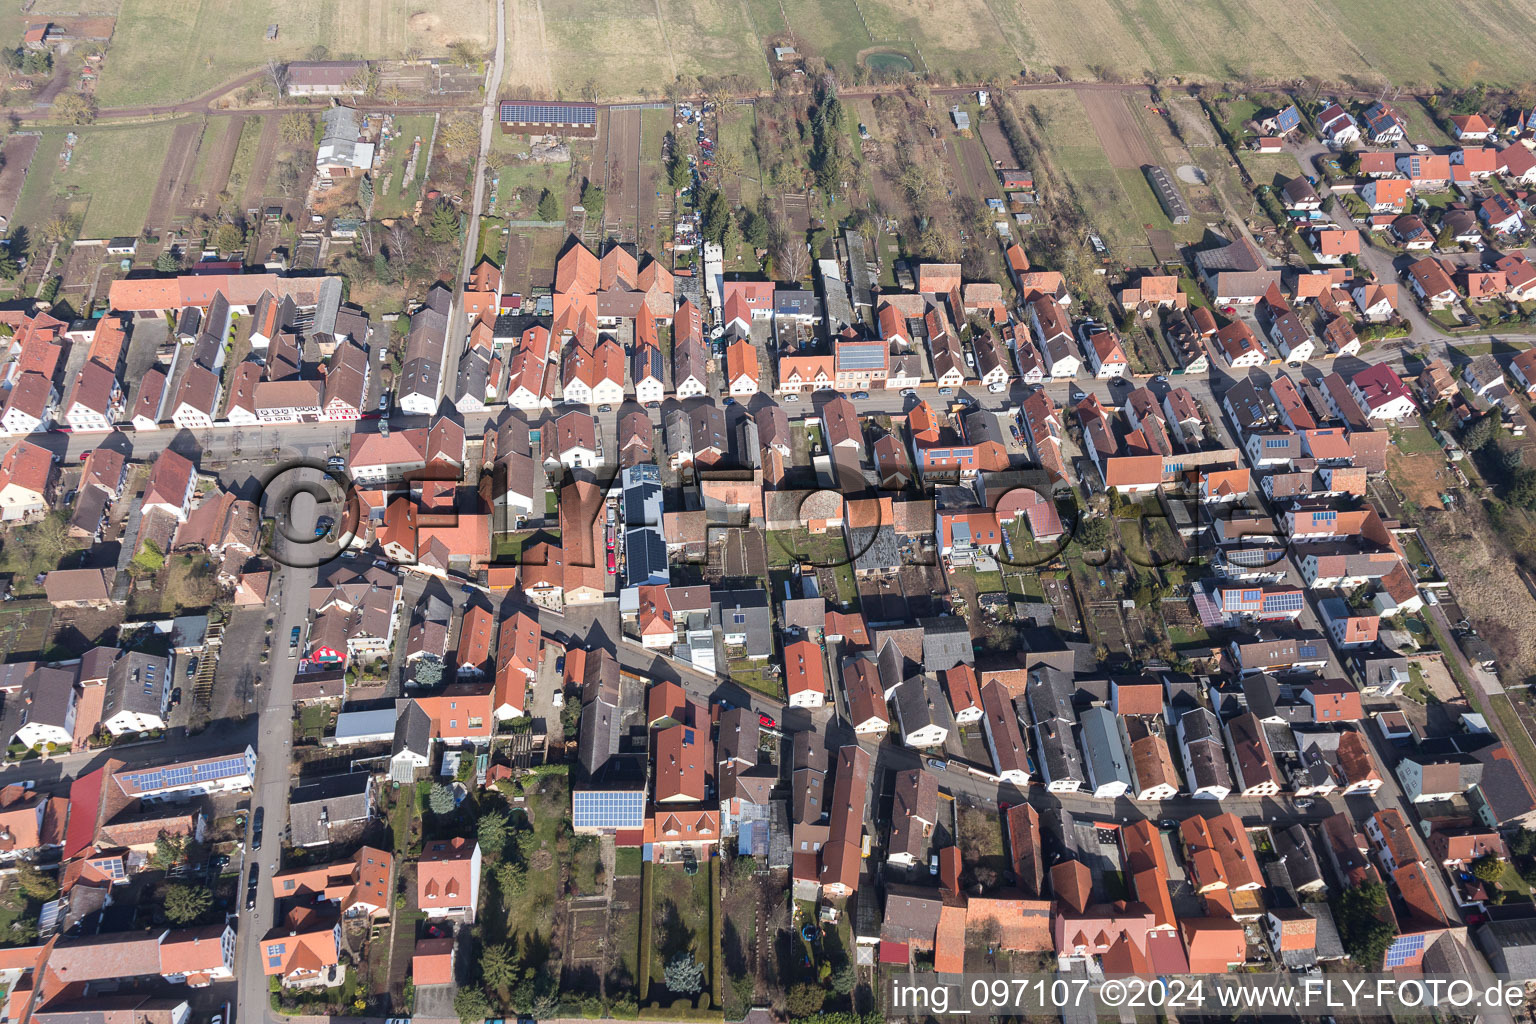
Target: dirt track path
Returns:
[[219, 165], [170, 187]]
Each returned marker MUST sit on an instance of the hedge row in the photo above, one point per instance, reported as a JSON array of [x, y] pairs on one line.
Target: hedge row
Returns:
[[716, 922], [646, 884]]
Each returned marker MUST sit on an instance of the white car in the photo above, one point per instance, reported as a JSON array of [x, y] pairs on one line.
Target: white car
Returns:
[[997, 389], [791, 398]]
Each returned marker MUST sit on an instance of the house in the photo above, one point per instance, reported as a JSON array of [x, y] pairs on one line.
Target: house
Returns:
[[448, 879], [31, 405], [1291, 337], [1482, 374], [137, 695], [1520, 276], [304, 952], [1381, 393], [1457, 848], [1218, 854], [329, 805], [1471, 127], [914, 814], [1049, 695], [1332, 245], [865, 696], [1523, 369], [1384, 126], [1501, 215], [358, 885], [196, 403], [1377, 302], [922, 712], [1238, 346], [1387, 195], [1300, 195], [28, 480], [1426, 170], [1109, 772], [1337, 127], [171, 484], [1205, 765], [840, 859], [1438, 777], [1254, 765], [1518, 163], [1105, 354]]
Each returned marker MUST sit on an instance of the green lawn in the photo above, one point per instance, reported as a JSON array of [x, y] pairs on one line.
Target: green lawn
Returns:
[[1416, 689], [626, 861], [393, 195], [800, 546], [245, 156], [680, 919], [1415, 440], [116, 170], [754, 675]]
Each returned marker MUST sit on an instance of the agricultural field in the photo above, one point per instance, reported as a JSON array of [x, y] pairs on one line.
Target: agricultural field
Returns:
[[588, 49], [1109, 185], [162, 53], [642, 50]]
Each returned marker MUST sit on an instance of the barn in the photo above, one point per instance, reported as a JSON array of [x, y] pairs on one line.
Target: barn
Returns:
[[579, 119]]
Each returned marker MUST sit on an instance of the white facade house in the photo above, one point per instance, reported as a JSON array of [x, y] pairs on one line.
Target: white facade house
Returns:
[[690, 387]]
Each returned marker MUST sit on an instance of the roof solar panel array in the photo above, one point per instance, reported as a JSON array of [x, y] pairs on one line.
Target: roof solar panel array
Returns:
[[549, 113], [596, 809]]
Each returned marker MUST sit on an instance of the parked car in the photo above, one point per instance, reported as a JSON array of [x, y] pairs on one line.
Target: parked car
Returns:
[[191, 667], [933, 864], [861, 395], [997, 388], [766, 720], [791, 398], [176, 697], [250, 888], [605, 408], [256, 822], [946, 391], [937, 765]]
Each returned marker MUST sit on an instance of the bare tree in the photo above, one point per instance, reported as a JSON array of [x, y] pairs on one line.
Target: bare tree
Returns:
[[792, 260], [276, 74]]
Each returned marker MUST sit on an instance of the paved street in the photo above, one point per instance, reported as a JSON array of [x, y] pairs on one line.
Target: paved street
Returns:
[[274, 775]]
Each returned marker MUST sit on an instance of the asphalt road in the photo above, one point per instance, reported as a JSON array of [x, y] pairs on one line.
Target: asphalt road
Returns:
[[274, 775]]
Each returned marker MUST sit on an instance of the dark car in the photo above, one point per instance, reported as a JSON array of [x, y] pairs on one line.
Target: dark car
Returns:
[[256, 823], [176, 697], [191, 667], [250, 888]]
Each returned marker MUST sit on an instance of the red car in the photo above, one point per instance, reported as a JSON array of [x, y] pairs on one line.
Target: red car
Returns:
[[766, 720]]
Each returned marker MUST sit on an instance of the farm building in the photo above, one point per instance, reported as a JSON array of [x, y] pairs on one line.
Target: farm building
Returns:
[[552, 118], [325, 78], [1167, 193]]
